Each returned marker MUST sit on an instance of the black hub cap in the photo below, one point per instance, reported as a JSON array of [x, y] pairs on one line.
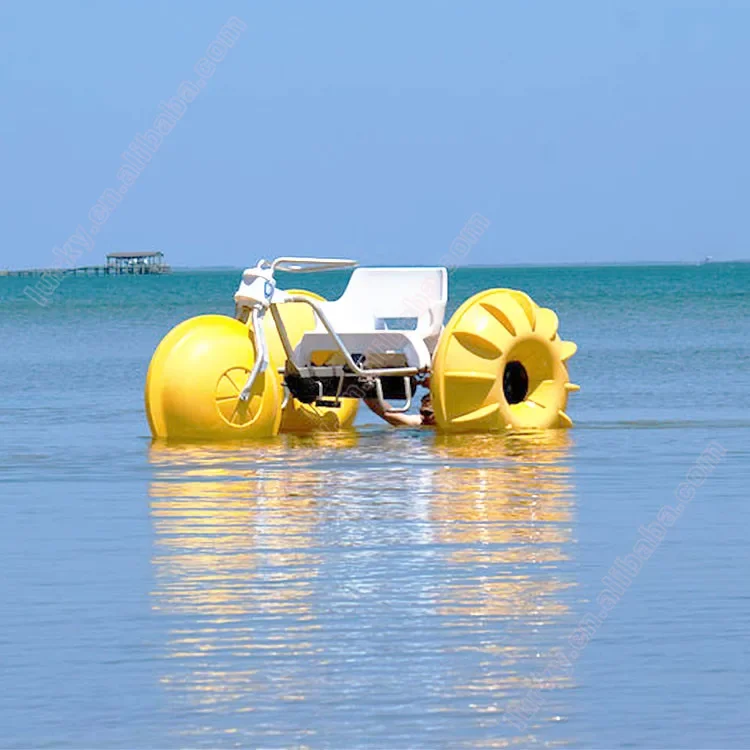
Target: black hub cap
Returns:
[[515, 382]]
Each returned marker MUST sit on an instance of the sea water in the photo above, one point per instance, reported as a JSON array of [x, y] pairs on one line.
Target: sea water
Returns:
[[381, 587]]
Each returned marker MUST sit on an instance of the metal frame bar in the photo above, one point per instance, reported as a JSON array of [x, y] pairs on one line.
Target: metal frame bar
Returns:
[[383, 404], [283, 335]]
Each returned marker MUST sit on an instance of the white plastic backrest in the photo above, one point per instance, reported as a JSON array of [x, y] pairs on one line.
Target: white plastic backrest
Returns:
[[379, 298]]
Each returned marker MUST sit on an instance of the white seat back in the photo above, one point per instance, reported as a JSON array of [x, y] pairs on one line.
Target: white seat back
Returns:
[[401, 299]]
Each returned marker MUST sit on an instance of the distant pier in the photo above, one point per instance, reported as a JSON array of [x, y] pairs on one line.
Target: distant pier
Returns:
[[118, 264]]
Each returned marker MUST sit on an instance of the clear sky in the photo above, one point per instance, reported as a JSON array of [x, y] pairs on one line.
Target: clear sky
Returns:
[[584, 131]]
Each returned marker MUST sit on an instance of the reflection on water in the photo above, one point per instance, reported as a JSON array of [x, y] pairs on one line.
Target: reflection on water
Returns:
[[506, 519], [381, 588], [233, 561]]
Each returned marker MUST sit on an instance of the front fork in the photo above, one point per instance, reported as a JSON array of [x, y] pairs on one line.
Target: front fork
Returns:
[[257, 314]]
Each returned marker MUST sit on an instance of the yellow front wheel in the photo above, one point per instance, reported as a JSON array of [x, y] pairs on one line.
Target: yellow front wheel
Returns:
[[194, 382], [500, 364]]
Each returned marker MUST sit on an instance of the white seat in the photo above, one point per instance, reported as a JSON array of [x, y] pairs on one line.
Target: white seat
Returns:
[[393, 316]]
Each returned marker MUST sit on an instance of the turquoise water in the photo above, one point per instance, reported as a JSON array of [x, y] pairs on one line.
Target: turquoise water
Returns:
[[380, 588]]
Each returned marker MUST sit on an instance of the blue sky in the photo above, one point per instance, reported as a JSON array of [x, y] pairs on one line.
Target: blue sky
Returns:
[[584, 131]]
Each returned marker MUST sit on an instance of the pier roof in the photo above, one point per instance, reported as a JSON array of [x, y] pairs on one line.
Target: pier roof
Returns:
[[131, 256]]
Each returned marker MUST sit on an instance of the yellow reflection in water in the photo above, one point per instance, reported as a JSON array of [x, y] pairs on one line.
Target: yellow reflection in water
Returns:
[[238, 550], [505, 509], [234, 529]]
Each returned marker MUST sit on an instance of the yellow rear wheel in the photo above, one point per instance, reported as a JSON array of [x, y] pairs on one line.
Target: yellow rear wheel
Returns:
[[298, 417], [194, 382], [500, 364]]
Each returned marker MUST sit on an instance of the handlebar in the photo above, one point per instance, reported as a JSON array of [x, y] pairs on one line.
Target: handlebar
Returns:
[[310, 265]]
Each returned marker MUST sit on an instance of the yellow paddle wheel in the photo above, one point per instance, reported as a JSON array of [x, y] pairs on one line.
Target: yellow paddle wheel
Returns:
[[500, 364]]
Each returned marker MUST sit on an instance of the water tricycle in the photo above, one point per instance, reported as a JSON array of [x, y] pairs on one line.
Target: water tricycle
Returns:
[[291, 361]]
